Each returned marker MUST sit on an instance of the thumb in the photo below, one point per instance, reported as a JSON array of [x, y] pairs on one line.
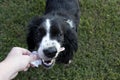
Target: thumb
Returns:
[[33, 58]]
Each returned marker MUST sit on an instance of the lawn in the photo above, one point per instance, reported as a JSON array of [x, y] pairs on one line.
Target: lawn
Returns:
[[98, 56]]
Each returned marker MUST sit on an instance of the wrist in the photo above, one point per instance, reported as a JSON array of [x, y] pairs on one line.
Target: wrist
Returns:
[[7, 70]]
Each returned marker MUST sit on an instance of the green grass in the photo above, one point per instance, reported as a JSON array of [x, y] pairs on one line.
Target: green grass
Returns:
[[98, 56]]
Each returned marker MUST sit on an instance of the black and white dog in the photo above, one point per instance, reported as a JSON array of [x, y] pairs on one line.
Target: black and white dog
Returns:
[[57, 28]]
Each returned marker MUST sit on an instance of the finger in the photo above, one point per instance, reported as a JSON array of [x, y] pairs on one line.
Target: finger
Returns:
[[25, 69], [33, 58], [25, 52], [13, 76], [28, 66], [21, 50], [30, 58]]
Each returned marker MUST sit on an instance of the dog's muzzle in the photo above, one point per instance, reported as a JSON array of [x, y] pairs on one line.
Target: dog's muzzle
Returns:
[[50, 55]]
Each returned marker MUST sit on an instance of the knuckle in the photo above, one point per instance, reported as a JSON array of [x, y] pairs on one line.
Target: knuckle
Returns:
[[14, 48]]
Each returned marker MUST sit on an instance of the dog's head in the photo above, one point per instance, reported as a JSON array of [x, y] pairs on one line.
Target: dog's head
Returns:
[[47, 35], [52, 37]]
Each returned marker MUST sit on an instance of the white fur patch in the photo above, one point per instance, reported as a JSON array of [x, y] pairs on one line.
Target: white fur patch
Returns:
[[47, 23], [47, 42]]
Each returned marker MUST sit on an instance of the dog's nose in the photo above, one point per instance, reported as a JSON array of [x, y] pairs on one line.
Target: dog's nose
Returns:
[[50, 52]]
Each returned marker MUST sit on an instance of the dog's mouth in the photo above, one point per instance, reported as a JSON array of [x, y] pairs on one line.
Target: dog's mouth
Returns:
[[48, 63]]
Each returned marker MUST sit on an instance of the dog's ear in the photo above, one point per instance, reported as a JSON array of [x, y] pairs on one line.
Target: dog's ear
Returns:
[[70, 39], [32, 27], [70, 43]]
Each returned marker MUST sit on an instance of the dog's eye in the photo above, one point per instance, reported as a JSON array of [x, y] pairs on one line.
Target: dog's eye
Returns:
[[42, 31], [60, 34]]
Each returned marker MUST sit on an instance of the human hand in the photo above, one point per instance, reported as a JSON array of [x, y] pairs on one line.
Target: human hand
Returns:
[[19, 60]]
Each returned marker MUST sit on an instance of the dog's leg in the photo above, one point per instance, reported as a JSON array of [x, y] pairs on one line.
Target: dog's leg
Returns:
[[65, 57]]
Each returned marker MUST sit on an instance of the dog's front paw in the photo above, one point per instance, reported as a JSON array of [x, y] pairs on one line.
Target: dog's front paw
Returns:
[[67, 65]]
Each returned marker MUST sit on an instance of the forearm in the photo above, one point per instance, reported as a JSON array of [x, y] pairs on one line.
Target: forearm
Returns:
[[6, 70]]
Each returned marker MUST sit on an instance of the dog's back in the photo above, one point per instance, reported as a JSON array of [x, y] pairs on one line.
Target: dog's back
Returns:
[[69, 7]]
